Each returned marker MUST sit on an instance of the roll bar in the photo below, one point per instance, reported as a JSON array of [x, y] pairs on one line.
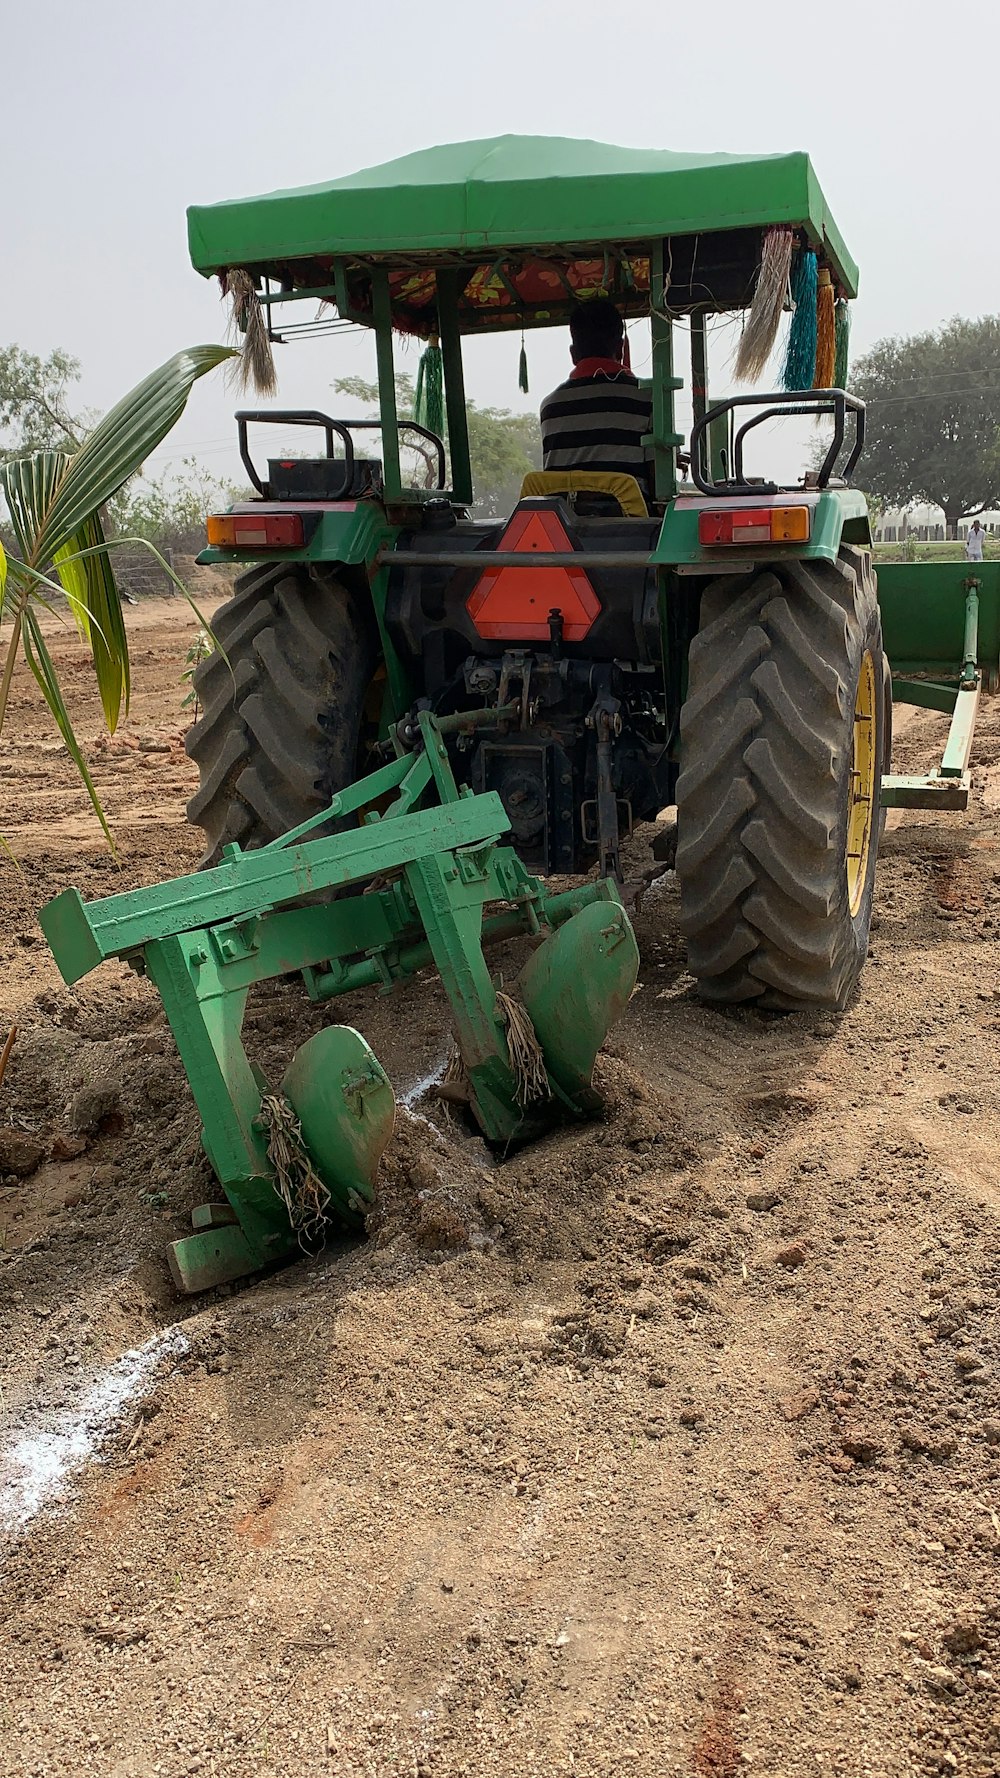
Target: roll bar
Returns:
[[780, 405], [342, 429]]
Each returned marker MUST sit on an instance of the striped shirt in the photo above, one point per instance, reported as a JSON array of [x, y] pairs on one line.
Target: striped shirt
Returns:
[[598, 422]]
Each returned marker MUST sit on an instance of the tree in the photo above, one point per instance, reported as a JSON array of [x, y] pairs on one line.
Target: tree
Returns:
[[931, 422], [167, 508], [503, 446], [34, 410]]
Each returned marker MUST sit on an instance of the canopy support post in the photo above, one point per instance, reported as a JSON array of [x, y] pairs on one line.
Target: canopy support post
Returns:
[[382, 312], [665, 437], [450, 284], [699, 370]]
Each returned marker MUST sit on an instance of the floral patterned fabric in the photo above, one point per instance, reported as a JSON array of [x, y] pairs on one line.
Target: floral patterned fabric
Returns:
[[516, 293]]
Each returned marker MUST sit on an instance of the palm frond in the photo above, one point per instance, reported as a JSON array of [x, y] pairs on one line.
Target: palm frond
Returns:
[[89, 583], [118, 447], [40, 662], [113, 543], [10, 658], [75, 584], [21, 572], [54, 499], [29, 486]]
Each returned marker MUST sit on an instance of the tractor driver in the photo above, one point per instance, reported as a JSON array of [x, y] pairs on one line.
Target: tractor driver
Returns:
[[598, 418]]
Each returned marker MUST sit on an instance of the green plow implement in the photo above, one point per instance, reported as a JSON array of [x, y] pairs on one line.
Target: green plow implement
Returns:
[[406, 886]]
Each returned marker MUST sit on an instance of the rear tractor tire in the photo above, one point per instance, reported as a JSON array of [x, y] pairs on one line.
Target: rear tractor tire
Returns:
[[784, 738], [281, 723]]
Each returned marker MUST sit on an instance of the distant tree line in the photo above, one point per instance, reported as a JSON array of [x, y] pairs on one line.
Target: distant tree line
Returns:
[[503, 446], [933, 420], [932, 432]]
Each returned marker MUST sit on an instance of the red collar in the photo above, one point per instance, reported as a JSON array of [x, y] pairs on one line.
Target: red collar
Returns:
[[596, 367]]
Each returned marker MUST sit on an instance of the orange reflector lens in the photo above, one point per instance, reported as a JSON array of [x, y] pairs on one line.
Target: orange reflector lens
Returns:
[[251, 530], [789, 524], [744, 525]]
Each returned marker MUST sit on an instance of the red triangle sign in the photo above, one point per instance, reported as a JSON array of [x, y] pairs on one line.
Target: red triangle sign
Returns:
[[513, 604]]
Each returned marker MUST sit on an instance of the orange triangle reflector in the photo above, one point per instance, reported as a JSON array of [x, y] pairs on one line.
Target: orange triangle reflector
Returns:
[[513, 604]]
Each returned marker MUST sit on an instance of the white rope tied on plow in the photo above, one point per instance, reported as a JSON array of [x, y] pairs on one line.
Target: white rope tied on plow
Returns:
[[296, 1181]]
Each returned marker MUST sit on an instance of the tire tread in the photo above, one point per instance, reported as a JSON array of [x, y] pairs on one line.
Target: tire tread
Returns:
[[764, 732], [281, 708]]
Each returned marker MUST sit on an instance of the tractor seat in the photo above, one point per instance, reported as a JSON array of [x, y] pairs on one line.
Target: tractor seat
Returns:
[[623, 490]]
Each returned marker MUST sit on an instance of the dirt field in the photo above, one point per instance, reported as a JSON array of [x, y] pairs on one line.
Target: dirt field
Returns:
[[671, 1445]]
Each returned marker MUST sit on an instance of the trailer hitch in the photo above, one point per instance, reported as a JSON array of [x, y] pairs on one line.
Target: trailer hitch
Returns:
[[415, 879]]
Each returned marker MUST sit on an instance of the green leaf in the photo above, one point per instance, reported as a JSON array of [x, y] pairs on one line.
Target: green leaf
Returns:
[[90, 585], [51, 495], [121, 443], [75, 583], [40, 662], [29, 486], [55, 500], [33, 578], [3, 574], [144, 543]]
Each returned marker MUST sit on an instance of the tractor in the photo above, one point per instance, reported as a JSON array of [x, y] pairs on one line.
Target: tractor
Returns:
[[712, 643], [414, 714]]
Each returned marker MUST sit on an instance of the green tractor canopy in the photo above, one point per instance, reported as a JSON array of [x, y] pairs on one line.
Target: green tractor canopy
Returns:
[[533, 222]]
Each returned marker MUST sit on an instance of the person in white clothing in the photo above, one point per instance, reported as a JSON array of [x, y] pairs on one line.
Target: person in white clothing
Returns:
[[974, 538]]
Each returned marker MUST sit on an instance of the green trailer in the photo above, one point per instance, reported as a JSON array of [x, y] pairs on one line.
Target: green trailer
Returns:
[[415, 716]]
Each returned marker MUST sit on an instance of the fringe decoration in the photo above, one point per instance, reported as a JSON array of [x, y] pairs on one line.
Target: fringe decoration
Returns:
[[769, 299], [428, 400], [256, 360], [842, 335], [826, 332], [800, 353], [296, 1181], [522, 369], [525, 1052]]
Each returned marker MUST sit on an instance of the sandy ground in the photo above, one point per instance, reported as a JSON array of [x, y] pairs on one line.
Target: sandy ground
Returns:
[[671, 1445]]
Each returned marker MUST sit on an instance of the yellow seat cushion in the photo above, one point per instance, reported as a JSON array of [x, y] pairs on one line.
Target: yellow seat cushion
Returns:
[[623, 488]]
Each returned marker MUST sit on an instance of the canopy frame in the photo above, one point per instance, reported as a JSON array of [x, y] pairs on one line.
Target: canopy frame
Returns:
[[508, 234]]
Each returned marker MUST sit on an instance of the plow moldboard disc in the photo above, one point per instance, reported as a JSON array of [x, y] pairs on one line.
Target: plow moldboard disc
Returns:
[[575, 986], [344, 1101]]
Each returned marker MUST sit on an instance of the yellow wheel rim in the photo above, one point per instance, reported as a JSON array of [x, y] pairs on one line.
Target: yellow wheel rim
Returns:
[[861, 815]]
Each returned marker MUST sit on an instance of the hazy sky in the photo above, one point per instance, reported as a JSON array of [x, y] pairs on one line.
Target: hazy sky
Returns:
[[119, 113]]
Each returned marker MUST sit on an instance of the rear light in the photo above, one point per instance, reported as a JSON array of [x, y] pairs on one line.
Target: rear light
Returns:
[[251, 530], [754, 524]]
